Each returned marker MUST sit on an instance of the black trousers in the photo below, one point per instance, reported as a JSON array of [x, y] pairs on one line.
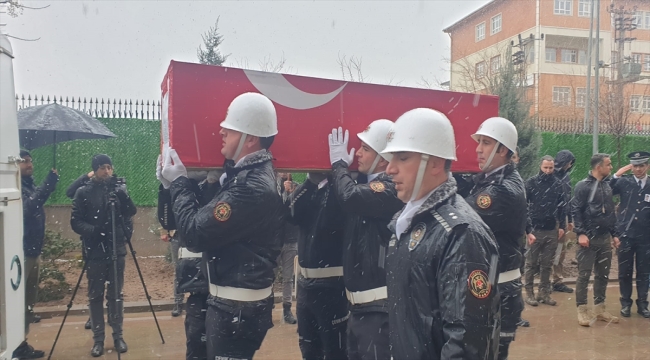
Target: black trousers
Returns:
[[368, 336], [596, 256], [630, 249], [322, 322], [512, 304], [236, 331], [196, 309], [100, 272]]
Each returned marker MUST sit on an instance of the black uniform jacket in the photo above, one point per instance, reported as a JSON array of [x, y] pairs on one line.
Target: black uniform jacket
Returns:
[[34, 199], [237, 231], [92, 218], [546, 204], [500, 200], [633, 215], [592, 208], [563, 158], [368, 209], [319, 215], [442, 302]]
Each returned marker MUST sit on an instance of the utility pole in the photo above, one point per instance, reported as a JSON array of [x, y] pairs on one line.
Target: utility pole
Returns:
[[589, 62], [597, 92]]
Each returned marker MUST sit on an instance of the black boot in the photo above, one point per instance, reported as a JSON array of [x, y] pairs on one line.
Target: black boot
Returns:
[[26, 351], [625, 311], [98, 349], [88, 324], [288, 316], [642, 308], [120, 346], [177, 310]]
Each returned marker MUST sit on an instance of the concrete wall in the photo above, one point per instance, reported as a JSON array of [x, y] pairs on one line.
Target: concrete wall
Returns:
[[146, 241]]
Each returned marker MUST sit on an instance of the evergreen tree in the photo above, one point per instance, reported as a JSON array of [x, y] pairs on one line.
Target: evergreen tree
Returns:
[[211, 40], [514, 107]]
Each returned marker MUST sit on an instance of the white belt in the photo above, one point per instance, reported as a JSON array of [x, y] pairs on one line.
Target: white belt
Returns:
[[363, 297], [504, 277], [183, 253], [240, 294], [319, 273]]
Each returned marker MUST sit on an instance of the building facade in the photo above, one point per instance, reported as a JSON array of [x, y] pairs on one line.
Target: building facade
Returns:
[[550, 41]]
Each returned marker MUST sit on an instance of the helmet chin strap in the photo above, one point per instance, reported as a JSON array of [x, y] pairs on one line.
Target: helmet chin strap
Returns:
[[374, 164], [424, 158], [242, 140], [488, 163]]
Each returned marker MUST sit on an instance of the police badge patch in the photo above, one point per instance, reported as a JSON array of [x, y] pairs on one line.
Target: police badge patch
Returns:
[[377, 186], [222, 211], [416, 235], [479, 285], [484, 201]]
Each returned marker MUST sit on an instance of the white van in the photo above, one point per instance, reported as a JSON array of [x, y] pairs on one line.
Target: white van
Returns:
[[12, 282]]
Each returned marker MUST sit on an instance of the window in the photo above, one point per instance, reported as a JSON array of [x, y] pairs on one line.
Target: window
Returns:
[[582, 57], [550, 54], [584, 8], [495, 64], [635, 103], [569, 56], [637, 19], [581, 97], [561, 96], [646, 105], [480, 69], [646, 62], [636, 58], [480, 31], [647, 20], [496, 25], [563, 7]]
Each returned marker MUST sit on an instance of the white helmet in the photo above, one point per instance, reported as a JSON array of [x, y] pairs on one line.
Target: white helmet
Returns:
[[499, 129], [423, 131], [252, 114], [375, 136]]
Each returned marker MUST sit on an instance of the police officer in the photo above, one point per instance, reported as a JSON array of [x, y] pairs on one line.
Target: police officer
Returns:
[[368, 207], [564, 161], [441, 264], [92, 219], [594, 215], [499, 198], [237, 231], [322, 308], [190, 270], [634, 226]]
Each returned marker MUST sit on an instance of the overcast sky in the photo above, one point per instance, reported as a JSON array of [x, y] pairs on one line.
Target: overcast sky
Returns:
[[121, 49]]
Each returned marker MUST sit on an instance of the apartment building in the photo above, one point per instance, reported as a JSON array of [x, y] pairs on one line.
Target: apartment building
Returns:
[[553, 36]]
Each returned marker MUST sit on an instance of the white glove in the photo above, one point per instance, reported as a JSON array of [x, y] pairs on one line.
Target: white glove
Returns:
[[214, 175], [173, 167], [339, 146], [166, 184]]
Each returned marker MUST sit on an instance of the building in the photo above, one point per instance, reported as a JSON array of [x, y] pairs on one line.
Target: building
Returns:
[[550, 41]]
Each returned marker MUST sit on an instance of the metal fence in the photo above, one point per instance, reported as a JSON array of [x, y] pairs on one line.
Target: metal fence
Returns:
[[576, 126], [99, 108]]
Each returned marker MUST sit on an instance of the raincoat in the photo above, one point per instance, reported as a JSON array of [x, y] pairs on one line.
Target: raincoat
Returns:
[[546, 205], [561, 159], [592, 208], [34, 199]]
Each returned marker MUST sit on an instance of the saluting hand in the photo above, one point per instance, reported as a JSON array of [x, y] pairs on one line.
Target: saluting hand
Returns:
[[623, 170]]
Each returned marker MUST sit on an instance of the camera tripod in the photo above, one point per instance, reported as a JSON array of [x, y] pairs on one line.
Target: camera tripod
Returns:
[[118, 299]]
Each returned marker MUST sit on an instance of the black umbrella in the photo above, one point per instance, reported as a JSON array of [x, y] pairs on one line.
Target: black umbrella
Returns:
[[53, 123]]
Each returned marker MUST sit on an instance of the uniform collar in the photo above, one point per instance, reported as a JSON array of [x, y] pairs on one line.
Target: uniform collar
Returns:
[[372, 177]]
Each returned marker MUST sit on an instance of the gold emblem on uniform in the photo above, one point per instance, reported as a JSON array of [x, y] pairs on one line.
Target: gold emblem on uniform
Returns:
[[479, 285], [484, 201], [389, 136], [222, 211], [416, 235], [637, 155], [377, 186]]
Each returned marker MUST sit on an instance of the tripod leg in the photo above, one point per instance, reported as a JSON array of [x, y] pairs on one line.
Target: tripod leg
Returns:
[[137, 266], [116, 307], [74, 293]]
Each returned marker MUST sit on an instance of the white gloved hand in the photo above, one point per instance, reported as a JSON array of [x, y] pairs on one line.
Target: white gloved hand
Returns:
[[339, 146], [214, 175], [165, 183], [173, 167]]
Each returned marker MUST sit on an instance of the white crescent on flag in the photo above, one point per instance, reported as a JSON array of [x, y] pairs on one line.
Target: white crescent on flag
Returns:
[[276, 87]]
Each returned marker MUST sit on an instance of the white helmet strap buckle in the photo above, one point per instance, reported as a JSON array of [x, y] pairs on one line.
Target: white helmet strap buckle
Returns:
[[374, 164], [424, 158], [240, 146]]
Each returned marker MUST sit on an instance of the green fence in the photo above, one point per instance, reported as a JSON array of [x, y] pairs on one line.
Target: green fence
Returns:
[[136, 147]]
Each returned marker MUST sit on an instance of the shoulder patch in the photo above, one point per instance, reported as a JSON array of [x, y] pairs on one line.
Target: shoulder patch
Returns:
[[449, 217], [478, 284], [416, 235], [484, 201], [222, 211], [377, 186]]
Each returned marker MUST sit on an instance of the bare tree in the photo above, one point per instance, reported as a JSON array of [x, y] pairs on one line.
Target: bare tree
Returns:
[[269, 65], [351, 68], [15, 8]]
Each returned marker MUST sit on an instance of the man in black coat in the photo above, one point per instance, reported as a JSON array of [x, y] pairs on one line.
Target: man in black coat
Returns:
[[34, 199], [237, 231], [546, 223], [499, 198], [633, 224], [92, 219], [441, 268], [592, 208], [289, 236], [564, 161], [369, 206]]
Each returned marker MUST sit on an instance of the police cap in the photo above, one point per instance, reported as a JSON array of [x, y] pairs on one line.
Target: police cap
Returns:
[[639, 157]]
